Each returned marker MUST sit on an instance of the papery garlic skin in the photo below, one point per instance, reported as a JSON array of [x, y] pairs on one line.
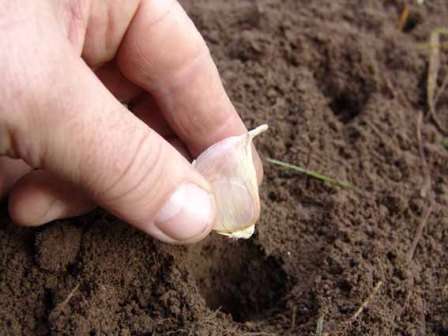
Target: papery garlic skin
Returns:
[[228, 166]]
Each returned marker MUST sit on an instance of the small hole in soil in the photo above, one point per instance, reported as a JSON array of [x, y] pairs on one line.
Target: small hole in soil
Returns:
[[237, 278], [441, 330], [345, 286], [412, 22], [345, 107]]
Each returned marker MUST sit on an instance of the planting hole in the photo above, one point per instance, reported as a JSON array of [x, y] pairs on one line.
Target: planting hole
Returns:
[[345, 107], [237, 278]]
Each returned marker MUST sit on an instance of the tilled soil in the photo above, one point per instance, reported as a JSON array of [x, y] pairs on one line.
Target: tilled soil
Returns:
[[342, 88]]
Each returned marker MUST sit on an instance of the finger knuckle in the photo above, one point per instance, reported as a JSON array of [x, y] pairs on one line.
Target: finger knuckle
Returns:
[[136, 175]]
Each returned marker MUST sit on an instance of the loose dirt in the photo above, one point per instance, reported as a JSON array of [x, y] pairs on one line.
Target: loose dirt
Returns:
[[341, 87]]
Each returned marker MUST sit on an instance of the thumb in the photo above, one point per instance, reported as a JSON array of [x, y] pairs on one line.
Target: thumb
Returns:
[[84, 136]]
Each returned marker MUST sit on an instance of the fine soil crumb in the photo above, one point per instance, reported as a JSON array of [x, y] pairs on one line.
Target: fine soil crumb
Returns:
[[57, 246], [341, 87]]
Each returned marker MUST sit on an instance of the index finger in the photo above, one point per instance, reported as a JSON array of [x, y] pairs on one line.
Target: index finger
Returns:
[[164, 53]]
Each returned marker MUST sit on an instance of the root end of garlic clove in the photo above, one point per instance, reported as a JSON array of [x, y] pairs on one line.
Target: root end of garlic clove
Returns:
[[241, 234]]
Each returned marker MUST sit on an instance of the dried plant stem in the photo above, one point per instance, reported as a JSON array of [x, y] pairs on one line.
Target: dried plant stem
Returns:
[[441, 89], [366, 302], [293, 318], [426, 173], [425, 191], [445, 143], [320, 326], [404, 16], [68, 298], [419, 233], [427, 45], [433, 72]]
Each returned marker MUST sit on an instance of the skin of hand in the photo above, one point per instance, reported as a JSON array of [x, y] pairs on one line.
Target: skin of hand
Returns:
[[68, 142]]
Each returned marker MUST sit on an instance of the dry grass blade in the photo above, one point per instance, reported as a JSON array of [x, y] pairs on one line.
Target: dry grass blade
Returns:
[[68, 298], [425, 191], [419, 233], [441, 89], [426, 46], [312, 173], [293, 317], [445, 143], [366, 302], [427, 174], [433, 72], [404, 16], [320, 326]]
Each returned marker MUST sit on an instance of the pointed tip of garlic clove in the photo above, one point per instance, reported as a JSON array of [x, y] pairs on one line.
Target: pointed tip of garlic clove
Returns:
[[258, 130]]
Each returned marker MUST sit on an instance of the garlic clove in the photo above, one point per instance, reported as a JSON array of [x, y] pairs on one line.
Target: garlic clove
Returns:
[[228, 166]]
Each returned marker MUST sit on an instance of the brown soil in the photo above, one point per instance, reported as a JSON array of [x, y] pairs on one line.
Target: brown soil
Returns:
[[341, 87]]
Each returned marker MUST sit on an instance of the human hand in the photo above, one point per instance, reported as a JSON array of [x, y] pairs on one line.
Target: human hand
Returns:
[[66, 67]]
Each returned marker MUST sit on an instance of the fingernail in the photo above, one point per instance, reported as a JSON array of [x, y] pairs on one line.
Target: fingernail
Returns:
[[54, 210], [187, 214]]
